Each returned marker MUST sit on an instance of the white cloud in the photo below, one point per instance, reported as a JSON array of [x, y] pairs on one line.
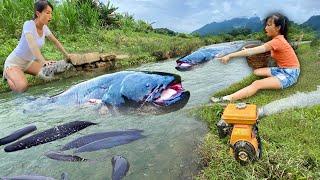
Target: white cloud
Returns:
[[189, 15], [226, 7]]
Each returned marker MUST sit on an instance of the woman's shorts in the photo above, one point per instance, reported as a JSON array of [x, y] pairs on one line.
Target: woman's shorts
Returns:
[[15, 61], [287, 76]]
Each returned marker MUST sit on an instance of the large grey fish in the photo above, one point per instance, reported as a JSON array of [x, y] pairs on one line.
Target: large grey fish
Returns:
[[204, 54], [81, 141], [17, 134], [108, 143], [48, 135], [150, 92]]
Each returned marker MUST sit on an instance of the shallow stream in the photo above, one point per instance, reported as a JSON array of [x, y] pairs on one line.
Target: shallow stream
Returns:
[[168, 151]]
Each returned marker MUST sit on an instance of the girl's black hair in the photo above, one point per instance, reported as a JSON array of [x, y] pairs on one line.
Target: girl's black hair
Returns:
[[41, 5], [279, 20]]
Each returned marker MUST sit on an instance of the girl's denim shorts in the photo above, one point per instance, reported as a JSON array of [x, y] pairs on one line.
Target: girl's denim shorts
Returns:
[[287, 76]]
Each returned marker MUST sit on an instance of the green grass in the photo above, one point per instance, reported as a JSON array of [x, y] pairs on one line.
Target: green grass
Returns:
[[290, 140]]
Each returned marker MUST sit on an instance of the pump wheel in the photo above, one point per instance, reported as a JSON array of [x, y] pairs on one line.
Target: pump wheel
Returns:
[[244, 152], [223, 128], [256, 131]]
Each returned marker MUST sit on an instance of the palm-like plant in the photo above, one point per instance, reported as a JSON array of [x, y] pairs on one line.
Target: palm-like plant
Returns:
[[107, 15], [106, 11]]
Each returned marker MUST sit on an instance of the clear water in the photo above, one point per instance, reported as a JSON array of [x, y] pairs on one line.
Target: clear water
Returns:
[[168, 151]]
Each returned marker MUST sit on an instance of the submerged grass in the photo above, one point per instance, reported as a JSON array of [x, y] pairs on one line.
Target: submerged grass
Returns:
[[290, 143]]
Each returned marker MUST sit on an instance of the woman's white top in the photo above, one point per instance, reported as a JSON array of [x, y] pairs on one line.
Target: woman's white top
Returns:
[[23, 50]]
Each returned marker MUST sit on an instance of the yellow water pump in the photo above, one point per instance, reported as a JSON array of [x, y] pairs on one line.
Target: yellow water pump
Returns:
[[240, 122]]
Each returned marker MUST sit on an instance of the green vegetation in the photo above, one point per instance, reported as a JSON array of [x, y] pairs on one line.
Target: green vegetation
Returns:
[[290, 144]]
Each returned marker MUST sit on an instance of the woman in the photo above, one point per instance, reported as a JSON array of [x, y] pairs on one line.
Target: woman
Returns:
[[26, 57], [281, 77]]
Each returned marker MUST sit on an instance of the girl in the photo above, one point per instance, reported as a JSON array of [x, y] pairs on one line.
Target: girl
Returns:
[[283, 76], [26, 57]]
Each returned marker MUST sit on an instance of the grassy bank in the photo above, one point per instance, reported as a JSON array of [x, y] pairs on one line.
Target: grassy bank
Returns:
[[290, 139]]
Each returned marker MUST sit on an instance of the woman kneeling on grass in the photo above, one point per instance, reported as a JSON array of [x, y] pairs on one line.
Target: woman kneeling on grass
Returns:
[[26, 57], [283, 76]]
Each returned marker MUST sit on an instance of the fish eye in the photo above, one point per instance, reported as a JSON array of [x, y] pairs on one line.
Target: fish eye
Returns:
[[147, 85]]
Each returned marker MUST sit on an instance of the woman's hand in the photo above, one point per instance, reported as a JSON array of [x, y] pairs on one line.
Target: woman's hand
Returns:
[[67, 56], [224, 59]]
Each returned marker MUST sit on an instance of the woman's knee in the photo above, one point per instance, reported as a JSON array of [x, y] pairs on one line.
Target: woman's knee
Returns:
[[19, 87], [16, 79]]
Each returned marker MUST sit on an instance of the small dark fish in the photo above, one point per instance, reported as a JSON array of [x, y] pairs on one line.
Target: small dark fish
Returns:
[[64, 157], [17, 134], [27, 177], [108, 143], [120, 167], [81, 141], [49, 135], [64, 176]]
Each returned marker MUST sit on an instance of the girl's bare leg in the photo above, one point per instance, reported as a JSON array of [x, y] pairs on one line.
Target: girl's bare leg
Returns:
[[267, 83], [264, 72]]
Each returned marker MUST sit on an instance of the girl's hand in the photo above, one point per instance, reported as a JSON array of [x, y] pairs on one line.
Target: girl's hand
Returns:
[[224, 59]]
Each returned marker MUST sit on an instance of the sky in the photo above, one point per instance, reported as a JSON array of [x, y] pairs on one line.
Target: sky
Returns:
[[189, 15]]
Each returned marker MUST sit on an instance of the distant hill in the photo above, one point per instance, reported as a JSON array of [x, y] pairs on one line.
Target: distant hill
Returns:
[[313, 22], [253, 23]]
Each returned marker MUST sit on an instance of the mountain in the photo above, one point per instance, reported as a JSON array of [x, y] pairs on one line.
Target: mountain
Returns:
[[313, 22], [253, 23]]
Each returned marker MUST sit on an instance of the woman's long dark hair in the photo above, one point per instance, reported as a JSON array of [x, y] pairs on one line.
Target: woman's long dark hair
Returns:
[[41, 5], [279, 20]]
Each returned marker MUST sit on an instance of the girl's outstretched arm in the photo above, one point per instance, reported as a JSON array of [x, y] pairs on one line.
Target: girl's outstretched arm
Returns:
[[246, 52]]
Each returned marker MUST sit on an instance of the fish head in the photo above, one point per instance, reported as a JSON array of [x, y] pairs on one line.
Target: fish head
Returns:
[[200, 56], [158, 90]]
